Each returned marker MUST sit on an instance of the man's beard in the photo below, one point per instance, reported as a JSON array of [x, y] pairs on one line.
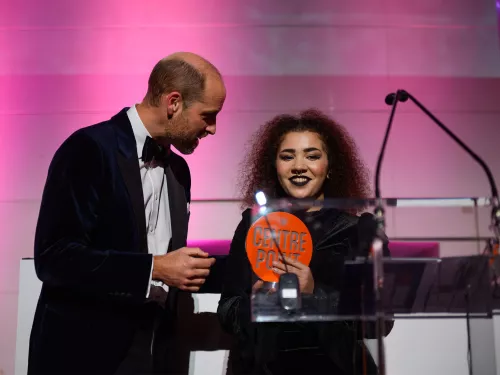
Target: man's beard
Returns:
[[186, 146], [185, 143]]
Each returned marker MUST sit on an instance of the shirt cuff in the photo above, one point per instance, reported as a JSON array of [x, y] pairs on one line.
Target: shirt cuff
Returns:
[[150, 280]]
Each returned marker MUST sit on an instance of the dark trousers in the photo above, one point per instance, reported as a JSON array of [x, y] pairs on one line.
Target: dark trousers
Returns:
[[155, 348], [140, 359]]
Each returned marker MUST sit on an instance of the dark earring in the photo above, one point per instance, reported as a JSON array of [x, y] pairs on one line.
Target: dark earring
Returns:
[[328, 175]]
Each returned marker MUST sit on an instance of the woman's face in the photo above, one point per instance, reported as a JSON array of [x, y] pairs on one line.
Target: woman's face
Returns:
[[302, 165]]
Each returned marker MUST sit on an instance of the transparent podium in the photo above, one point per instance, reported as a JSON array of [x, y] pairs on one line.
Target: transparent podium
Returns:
[[359, 278]]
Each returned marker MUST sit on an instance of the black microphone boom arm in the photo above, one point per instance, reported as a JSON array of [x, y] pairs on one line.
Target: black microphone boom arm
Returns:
[[403, 96]]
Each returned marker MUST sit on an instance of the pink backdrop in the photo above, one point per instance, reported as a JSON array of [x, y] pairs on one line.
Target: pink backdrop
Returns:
[[67, 64]]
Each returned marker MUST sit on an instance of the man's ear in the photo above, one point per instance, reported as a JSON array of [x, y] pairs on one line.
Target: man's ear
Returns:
[[173, 102]]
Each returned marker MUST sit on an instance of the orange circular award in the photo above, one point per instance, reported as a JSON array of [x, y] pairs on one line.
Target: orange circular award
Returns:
[[288, 231]]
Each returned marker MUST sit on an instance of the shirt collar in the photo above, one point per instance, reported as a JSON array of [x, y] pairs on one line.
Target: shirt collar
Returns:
[[140, 131]]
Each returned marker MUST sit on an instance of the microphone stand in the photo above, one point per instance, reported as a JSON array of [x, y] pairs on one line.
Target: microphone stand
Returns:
[[377, 247]]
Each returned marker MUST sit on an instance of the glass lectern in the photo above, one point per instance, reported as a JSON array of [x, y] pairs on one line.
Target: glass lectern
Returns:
[[451, 292]]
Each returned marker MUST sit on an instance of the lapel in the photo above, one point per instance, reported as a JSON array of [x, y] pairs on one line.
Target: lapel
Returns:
[[177, 199], [128, 163], [178, 196]]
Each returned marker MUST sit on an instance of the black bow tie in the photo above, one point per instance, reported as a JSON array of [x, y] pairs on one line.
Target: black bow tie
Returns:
[[153, 150]]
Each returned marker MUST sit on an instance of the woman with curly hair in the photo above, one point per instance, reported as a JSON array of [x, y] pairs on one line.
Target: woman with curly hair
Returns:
[[343, 172], [308, 156]]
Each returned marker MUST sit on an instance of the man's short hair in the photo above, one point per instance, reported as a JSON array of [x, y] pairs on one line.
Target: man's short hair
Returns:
[[170, 75]]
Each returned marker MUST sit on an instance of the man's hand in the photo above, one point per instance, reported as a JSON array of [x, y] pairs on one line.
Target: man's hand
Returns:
[[185, 268], [303, 273]]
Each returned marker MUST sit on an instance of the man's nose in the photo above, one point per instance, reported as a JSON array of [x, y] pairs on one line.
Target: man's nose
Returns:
[[211, 129]]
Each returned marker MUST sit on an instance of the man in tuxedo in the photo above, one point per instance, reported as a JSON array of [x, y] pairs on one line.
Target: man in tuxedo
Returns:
[[110, 242]]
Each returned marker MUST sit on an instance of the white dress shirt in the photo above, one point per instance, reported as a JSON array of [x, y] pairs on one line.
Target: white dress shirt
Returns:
[[156, 205]]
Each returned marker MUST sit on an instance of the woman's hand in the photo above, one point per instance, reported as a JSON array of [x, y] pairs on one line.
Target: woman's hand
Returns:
[[303, 272]]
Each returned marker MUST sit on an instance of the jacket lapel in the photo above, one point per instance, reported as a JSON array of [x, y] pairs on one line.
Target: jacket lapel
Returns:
[[128, 163], [179, 217], [178, 209]]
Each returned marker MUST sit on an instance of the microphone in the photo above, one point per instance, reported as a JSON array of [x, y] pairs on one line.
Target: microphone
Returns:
[[403, 96], [288, 284]]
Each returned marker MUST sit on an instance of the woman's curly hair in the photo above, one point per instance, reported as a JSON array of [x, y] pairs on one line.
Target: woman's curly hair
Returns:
[[348, 176]]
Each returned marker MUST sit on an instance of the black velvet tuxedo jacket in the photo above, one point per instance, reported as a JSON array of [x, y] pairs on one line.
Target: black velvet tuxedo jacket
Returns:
[[91, 250]]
